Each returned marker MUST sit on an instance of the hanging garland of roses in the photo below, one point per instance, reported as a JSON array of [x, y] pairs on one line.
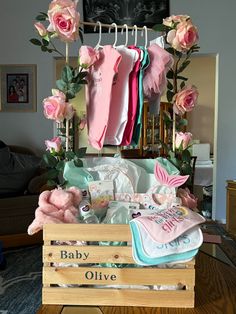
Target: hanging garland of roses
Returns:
[[63, 21], [181, 38]]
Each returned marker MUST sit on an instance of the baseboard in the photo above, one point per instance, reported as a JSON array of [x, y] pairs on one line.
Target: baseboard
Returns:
[[22, 239]]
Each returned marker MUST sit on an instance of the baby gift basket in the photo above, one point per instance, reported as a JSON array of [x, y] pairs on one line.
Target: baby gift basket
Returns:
[[97, 264], [115, 231]]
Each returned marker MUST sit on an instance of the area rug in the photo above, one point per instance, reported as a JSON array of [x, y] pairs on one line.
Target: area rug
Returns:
[[21, 281]]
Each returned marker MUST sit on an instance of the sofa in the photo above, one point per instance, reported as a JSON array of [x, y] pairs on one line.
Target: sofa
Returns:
[[21, 180]]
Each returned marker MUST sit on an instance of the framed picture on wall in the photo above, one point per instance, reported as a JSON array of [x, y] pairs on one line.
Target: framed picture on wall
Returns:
[[18, 88], [130, 12]]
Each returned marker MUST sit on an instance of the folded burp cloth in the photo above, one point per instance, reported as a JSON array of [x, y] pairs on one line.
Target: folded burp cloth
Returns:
[[141, 258]]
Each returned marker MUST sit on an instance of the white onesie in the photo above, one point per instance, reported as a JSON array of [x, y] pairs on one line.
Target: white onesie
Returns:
[[120, 97]]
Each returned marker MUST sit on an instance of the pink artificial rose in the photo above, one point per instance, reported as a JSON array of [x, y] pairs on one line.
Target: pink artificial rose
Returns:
[[56, 108], [69, 110], [185, 99], [87, 56], [54, 144], [183, 138], [64, 19], [171, 20], [188, 199], [41, 29], [183, 37]]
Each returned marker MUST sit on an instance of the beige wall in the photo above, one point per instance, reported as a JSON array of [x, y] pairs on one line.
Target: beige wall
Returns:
[[201, 73]]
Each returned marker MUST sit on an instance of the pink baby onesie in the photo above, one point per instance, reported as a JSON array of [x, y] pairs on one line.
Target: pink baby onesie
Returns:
[[98, 94], [133, 100], [154, 79], [120, 97]]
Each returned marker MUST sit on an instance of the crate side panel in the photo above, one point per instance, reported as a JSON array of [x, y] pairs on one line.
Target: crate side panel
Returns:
[[86, 232], [122, 297]]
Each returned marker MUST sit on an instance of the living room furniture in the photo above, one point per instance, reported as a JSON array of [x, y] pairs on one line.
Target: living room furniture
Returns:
[[215, 292], [17, 210], [16, 214], [231, 206]]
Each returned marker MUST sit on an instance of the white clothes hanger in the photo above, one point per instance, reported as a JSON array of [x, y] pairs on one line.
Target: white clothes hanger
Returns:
[[126, 34], [135, 33], [115, 25], [99, 36], [146, 36], [135, 40]]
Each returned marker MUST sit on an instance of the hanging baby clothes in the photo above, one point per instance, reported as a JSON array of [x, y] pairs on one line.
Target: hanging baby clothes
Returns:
[[98, 94], [120, 97], [133, 100], [154, 80], [138, 123]]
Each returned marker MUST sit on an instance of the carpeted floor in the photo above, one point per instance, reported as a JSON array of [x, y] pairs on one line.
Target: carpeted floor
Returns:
[[21, 281]]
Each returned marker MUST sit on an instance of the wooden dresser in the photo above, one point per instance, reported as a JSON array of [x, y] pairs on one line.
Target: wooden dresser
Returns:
[[231, 206]]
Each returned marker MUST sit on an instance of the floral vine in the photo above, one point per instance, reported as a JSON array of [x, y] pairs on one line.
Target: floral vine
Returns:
[[181, 37], [62, 22]]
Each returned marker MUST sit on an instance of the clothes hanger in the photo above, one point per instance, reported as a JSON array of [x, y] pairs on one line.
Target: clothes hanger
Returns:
[[126, 34], [135, 40], [115, 25], [99, 36], [135, 33], [146, 36]]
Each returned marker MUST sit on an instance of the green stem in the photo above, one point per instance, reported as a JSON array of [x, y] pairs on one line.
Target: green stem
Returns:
[[67, 53], [175, 89], [55, 49], [175, 69]]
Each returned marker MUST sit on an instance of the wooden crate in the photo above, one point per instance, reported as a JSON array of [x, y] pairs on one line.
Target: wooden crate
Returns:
[[231, 207], [88, 276]]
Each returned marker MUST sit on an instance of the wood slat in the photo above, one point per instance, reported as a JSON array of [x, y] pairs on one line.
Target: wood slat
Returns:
[[86, 232], [118, 276], [87, 254], [92, 254], [113, 297], [96, 276], [50, 309]]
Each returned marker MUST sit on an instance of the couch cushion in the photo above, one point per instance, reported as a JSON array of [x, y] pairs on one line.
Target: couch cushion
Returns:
[[16, 170], [17, 213]]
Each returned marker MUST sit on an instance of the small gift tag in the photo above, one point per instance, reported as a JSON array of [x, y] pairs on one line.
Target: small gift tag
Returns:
[[101, 192]]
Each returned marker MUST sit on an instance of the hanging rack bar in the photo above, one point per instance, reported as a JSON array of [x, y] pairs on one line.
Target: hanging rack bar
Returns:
[[112, 26]]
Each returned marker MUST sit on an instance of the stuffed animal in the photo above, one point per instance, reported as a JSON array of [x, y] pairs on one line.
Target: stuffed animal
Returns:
[[56, 206]]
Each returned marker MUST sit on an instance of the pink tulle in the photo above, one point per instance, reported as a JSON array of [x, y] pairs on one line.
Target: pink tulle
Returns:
[[154, 80]]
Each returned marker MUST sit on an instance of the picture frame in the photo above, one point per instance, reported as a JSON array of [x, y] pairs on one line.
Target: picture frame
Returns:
[[135, 12], [18, 87]]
